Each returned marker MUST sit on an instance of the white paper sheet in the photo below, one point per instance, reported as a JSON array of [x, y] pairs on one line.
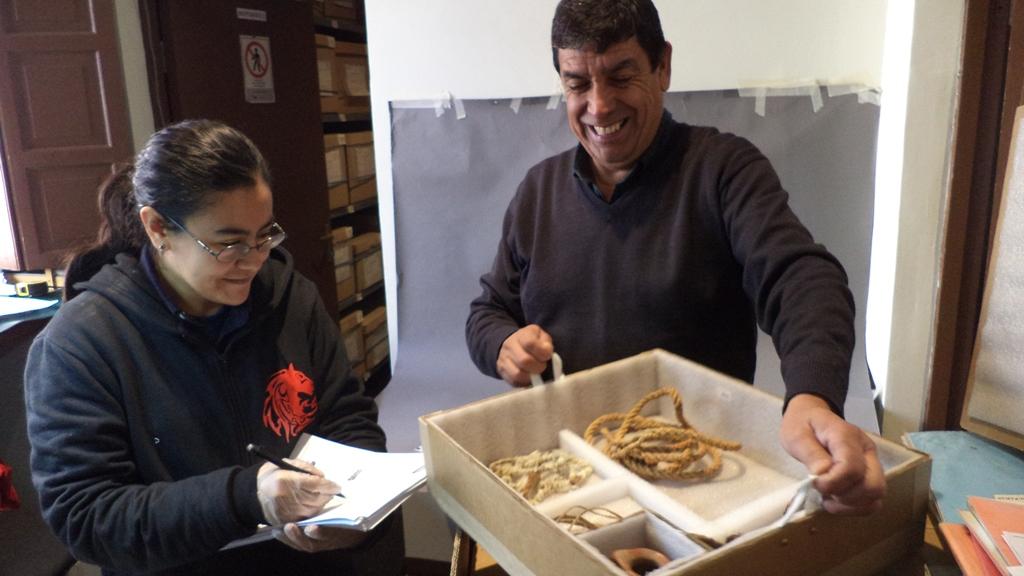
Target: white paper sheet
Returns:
[[1016, 542]]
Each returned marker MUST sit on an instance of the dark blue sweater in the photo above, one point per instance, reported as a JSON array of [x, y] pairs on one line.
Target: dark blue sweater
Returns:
[[138, 420], [696, 249]]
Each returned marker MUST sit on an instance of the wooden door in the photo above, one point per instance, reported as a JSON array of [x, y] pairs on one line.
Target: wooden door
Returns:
[[64, 121]]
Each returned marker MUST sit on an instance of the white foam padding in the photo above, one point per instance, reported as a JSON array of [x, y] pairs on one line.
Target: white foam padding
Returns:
[[643, 531]]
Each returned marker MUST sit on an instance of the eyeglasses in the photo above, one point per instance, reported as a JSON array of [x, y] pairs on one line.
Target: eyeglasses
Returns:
[[239, 250]]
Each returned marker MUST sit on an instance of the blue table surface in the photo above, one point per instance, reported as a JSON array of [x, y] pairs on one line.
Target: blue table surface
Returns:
[[966, 464], [8, 321]]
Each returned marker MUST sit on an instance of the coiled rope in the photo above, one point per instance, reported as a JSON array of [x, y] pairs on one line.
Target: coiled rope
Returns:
[[658, 450]]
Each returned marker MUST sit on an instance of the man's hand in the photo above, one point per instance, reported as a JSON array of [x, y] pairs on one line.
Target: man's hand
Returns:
[[850, 477], [286, 496], [319, 538], [527, 351]]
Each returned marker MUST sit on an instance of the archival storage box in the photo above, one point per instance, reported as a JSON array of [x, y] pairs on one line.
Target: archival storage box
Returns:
[[741, 506]]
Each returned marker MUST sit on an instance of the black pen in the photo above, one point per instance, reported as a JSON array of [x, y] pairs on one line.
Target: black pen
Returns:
[[258, 450]]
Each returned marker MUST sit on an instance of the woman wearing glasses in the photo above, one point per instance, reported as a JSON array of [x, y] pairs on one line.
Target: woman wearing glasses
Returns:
[[185, 336]]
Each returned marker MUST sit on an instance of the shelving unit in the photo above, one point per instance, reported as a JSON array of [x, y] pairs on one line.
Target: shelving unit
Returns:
[[354, 218], [354, 208]]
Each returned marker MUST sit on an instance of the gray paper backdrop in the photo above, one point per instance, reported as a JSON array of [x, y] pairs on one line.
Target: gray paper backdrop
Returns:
[[453, 179]]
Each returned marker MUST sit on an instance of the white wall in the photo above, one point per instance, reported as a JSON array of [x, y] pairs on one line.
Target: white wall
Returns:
[[423, 49], [420, 49], [911, 201]]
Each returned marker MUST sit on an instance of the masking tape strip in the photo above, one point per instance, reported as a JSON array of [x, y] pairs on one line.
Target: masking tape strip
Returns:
[[865, 94], [815, 93], [835, 90], [557, 96], [414, 104], [870, 97], [758, 94], [761, 92], [446, 102]]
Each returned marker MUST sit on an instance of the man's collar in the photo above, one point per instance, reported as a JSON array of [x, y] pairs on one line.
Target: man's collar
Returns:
[[583, 167]]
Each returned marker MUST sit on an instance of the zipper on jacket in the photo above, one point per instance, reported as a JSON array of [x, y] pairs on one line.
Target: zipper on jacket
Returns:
[[235, 406]]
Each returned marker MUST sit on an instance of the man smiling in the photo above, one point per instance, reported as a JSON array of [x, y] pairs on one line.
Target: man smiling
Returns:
[[652, 233]]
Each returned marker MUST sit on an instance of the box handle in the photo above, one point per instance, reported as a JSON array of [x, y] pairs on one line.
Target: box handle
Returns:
[[556, 370], [797, 503]]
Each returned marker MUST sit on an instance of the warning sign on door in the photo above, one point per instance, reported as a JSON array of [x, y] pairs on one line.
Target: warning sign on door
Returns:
[[257, 69]]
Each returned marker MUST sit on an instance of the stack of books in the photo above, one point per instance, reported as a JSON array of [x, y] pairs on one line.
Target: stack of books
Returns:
[[977, 490], [991, 539]]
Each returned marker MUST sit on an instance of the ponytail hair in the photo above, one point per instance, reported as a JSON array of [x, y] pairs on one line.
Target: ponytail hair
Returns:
[[181, 170], [120, 230]]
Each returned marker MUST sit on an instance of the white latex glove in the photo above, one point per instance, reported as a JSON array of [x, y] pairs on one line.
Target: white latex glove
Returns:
[[287, 496], [319, 538]]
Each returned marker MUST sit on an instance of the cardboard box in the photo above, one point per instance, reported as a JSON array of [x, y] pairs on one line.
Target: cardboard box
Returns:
[[358, 147], [363, 192], [375, 327], [342, 253], [359, 161], [351, 70], [354, 346], [359, 370], [341, 234], [746, 498], [376, 354], [352, 335], [324, 41], [345, 289], [337, 171], [374, 319], [318, 8], [338, 196], [351, 322], [325, 68], [330, 105], [369, 270], [344, 272], [336, 139], [344, 9], [365, 243]]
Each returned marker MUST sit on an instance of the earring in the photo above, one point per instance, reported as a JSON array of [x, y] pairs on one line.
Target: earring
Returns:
[[162, 247]]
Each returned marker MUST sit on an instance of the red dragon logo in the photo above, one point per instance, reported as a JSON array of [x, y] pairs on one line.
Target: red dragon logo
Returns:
[[290, 404]]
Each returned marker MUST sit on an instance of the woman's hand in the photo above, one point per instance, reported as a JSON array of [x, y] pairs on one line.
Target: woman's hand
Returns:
[[319, 538], [286, 496]]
